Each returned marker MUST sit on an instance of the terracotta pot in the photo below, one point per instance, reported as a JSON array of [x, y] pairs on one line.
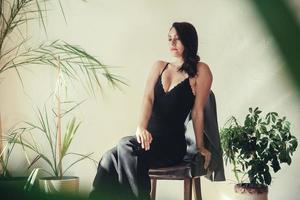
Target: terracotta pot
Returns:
[[68, 184], [246, 191]]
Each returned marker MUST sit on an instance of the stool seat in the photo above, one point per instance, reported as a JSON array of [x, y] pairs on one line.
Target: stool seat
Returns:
[[176, 172], [181, 171]]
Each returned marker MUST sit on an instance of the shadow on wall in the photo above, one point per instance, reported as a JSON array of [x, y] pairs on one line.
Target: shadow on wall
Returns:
[[284, 27]]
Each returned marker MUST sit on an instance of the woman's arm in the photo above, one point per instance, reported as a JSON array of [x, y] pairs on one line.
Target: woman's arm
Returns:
[[202, 89], [143, 136]]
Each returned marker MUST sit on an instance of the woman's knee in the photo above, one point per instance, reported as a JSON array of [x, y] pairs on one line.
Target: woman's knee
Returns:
[[126, 141], [129, 145], [108, 158]]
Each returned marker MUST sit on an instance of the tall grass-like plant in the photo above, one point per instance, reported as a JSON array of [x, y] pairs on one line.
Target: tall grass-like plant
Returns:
[[55, 146], [49, 125], [76, 63], [56, 151], [16, 52]]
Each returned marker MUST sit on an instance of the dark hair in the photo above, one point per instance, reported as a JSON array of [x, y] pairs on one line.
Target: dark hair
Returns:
[[189, 38]]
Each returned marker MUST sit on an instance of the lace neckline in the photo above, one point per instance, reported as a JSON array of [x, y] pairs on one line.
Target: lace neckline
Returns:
[[173, 88]]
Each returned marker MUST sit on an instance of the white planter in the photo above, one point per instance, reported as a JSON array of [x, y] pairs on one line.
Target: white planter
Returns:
[[68, 184], [246, 192]]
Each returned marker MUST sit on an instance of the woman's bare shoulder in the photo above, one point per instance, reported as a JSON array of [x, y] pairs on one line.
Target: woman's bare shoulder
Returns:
[[202, 64], [203, 68], [158, 65]]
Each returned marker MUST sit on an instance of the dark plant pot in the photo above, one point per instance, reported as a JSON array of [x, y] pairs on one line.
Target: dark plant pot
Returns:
[[68, 184], [13, 182], [246, 191]]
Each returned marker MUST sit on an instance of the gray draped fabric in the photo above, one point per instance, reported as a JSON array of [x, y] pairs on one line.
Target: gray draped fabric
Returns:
[[215, 171]]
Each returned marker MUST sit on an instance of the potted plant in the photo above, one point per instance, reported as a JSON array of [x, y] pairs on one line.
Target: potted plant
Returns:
[[253, 148], [16, 53], [6, 150], [58, 141]]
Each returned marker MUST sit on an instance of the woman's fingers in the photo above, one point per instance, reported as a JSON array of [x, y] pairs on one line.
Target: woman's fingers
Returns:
[[143, 138], [207, 159], [206, 162], [138, 135], [138, 138], [148, 140]]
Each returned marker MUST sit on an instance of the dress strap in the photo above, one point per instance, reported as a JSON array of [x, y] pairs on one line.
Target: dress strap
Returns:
[[164, 68]]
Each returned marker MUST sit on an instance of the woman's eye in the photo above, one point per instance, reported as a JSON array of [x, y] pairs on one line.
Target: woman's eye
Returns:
[[174, 39]]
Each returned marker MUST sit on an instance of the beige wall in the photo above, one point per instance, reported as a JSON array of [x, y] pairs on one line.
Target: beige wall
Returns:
[[245, 63]]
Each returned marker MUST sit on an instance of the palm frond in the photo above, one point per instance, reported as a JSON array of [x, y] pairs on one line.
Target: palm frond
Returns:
[[28, 145], [32, 177], [81, 157], [69, 135], [75, 64]]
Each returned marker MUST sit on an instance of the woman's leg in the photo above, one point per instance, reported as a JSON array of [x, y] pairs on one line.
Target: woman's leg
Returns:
[[123, 171], [106, 183], [133, 169]]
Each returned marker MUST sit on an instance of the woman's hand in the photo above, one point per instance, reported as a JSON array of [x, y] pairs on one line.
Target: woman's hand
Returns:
[[207, 155], [144, 138]]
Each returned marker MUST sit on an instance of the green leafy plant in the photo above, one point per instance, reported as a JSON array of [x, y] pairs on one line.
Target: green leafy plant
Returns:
[[256, 146]]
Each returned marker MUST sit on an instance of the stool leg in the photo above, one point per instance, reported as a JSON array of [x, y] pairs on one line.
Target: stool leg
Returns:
[[197, 188], [187, 189], [153, 188]]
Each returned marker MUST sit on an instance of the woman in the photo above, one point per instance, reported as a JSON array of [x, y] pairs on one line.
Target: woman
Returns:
[[173, 90]]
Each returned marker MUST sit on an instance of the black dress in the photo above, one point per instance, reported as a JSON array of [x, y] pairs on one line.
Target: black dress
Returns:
[[123, 170]]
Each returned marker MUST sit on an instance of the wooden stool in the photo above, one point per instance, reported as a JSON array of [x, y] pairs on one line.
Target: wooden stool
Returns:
[[178, 172]]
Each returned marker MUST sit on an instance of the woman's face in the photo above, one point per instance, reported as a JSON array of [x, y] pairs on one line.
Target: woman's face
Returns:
[[175, 45]]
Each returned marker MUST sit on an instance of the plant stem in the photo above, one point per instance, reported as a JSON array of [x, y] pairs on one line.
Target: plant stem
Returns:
[[59, 122], [235, 171]]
